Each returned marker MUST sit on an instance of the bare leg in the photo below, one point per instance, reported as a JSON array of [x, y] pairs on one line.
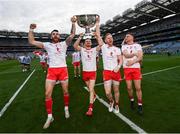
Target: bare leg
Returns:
[[91, 90], [75, 72], [130, 93], [116, 95], [49, 88], [79, 70], [116, 91], [87, 84], [137, 84], [129, 89], [107, 87]]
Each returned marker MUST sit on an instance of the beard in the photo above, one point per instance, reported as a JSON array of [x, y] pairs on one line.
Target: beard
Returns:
[[88, 45], [55, 40]]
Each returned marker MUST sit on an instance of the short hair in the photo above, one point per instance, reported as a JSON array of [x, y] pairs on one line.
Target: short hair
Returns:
[[55, 30], [107, 35], [87, 39], [130, 34]]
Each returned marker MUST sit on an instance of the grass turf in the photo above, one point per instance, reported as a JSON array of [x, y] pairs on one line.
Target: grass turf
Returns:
[[27, 113]]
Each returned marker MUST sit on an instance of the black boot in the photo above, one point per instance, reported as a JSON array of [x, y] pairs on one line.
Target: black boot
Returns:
[[140, 109], [132, 105]]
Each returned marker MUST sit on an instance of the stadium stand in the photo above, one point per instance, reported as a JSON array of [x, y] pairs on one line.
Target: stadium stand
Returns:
[[150, 22], [154, 22], [172, 47], [14, 44]]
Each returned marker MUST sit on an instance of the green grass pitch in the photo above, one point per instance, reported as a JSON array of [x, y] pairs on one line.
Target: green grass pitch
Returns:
[[27, 113]]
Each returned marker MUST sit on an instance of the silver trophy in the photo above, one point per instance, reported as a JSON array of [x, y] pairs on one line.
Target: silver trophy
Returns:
[[87, 21]]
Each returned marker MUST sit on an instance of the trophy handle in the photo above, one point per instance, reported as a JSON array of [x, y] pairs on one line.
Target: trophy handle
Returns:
[[87, 30]]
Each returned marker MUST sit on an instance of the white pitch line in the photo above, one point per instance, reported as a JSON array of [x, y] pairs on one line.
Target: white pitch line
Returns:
[[125, 119], [161, 70], [15, 94], [153, 72]]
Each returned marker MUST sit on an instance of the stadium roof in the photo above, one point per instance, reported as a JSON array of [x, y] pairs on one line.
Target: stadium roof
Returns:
[[143, 13]]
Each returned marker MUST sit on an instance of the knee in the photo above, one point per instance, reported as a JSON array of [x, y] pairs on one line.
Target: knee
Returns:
[[66, 92], [90, 90], [108, 94], [129, 88], [138, 89], [116, 91], [65, 89], [47, 95]]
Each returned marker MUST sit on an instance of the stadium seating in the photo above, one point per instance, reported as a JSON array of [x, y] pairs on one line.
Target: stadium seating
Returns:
[[151, 23], [172, 47]]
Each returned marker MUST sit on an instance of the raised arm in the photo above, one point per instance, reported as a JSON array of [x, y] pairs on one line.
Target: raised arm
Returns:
[[73, 30], [98, 34], [31, 39], [76, 44]]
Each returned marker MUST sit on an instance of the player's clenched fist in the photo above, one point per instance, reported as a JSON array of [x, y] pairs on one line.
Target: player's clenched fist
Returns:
[[32, 26], [73, 19], [97, 19]]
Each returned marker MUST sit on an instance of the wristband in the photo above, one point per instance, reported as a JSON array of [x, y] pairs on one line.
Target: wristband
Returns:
[[119, 66]]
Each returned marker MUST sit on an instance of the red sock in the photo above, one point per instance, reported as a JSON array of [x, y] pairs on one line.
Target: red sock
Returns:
[[111, 100], [116, 103], [94, 95], [139, 102], [49, 103], [66, 99], [131, 98], [91, 105]]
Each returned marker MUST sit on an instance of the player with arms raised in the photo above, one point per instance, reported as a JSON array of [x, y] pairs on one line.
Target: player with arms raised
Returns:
[[88, 57], [112, 61], [57, 67]]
